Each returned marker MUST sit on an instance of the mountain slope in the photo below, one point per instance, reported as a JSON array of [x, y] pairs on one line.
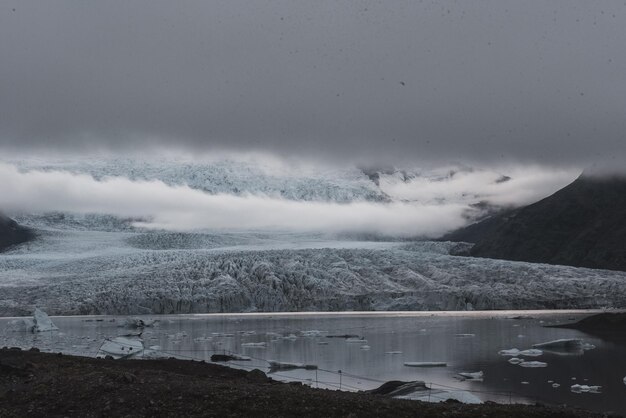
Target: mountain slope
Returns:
[[11, 233], [582, 225]]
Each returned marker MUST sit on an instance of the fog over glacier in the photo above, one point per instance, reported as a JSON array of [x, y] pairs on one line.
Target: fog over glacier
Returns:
[[250, 195]]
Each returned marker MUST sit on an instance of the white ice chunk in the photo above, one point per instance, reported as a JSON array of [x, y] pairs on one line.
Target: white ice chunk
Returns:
[[356, 340], [532, 352], [365, 347], [254, 345], [555, 385], [472, 375], [120, 347], [533, 364], [586, 389], [42, 322], [513, 352], [516, 360]]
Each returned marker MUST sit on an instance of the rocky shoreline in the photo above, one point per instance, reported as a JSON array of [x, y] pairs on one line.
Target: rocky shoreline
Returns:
[[54, 385]]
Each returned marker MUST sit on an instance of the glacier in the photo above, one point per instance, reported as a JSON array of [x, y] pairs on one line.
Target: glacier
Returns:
[[76, 271], [84, 263]]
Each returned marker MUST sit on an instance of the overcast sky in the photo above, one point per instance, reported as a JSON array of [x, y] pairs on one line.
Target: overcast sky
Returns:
[[540, 81]]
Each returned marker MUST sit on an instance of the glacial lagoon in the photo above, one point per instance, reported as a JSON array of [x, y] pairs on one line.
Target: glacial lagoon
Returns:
[[361, 350]]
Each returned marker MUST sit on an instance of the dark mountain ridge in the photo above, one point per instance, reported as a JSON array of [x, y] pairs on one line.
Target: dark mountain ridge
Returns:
[[581, 225], [11, 233]]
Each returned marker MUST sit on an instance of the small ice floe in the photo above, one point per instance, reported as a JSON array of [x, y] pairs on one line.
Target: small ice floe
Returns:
[[555, 385], [531, 352], [562, 346], [120, 347], [426, 364], [246, 333], [313, 333], [515, 360], [20, 325], [513, 352], [624, 380], [365, 347], [280, 365], [393, 352], [290, 337], [533, 364], [254, 345], [137, 322], [202, 339], [521, 336], [464, 335], [273, 334], [585, 389], [475, 376], [356, 340], [42, 322], [222, 334], [178, 336], [525, 382]]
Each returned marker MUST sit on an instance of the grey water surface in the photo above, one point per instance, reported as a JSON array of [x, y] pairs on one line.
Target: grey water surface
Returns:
[[466, 341]]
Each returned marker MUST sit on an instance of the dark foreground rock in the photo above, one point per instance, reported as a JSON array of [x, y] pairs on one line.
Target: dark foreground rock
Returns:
[[12, 234], [48, 385], [581, 225]]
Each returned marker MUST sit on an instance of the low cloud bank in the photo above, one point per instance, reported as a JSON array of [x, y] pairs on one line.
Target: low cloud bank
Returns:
[[183, 208]]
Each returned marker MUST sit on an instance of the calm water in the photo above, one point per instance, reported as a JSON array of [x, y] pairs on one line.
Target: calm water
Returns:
[[467, 342]]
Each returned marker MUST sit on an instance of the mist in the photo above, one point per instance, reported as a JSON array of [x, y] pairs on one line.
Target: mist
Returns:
[[435, 206]]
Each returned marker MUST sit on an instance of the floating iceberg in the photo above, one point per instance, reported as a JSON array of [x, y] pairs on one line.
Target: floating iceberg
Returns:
[[515, 360], [513, 352], [586, 389], [356, 340], [42, 322], [365, 347], [290, 337], [533, 364], [313, 333], [426, 364], [478, 376], [254, 345], [532, 352], [393, 352], [555, 385]]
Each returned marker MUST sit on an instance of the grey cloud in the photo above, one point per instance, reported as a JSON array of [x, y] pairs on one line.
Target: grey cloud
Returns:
[[534, 80]]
